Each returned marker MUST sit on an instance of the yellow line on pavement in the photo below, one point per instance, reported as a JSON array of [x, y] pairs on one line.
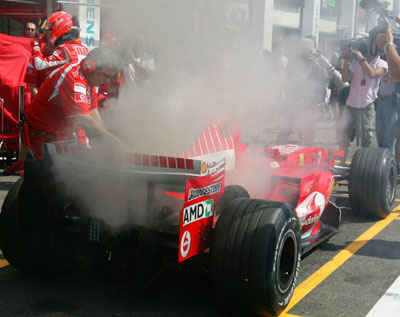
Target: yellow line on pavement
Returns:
[[3, 263], [319, 276]]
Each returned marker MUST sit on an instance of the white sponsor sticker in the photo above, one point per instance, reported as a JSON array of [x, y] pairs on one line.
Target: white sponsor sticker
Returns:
[[198, 211], [80, 88], [185, 244], [205, 191]]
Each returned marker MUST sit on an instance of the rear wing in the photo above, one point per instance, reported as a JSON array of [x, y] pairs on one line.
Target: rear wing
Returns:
[[132, 189], [152, 168], [219, 139]]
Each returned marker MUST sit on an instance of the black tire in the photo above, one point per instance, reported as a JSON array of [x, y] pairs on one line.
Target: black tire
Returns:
[[372, 182], [230, 193], [26, 237], [255, 255], [9, 226]]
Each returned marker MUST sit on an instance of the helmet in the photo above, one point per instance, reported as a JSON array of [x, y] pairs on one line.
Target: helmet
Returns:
[[59, 23]]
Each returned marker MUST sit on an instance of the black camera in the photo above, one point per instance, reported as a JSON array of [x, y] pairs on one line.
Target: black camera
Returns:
[[381, 8], [360, 44]]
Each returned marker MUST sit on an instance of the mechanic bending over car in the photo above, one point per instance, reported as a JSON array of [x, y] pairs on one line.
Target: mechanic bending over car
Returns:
[[365, 73], [65, 102], [62, 46], [385, 43]]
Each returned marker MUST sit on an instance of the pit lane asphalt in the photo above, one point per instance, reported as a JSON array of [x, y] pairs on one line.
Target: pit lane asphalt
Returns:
[[349, 289]]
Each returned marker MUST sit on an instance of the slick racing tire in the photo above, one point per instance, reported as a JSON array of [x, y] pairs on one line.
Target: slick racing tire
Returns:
[[9, 226], [372, 182], [230, 193], [255, 255], [26, 237]]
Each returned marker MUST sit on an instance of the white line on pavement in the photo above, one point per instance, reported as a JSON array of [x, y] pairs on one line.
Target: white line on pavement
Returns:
[[389, 304]]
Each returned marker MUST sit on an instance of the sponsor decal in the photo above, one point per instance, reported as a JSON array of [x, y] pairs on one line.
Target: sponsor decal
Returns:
[[185, 244], [212, 166], [81, 88], [310, 204], [203, 168], [289, 293], [309, 221], [301, 156], [205, 191], [198, 211], [196, 217], [80, 98]]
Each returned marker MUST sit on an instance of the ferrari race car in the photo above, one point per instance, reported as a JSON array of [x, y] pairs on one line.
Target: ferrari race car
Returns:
[[80, 207]]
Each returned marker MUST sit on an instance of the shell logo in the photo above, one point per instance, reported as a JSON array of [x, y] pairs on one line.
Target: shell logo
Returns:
[[203, 167]]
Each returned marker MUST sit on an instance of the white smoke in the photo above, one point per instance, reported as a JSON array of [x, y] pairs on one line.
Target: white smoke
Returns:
[[204, 71]]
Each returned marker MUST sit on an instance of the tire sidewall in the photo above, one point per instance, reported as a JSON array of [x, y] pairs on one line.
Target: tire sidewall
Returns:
[[279, 299], [389, 163]]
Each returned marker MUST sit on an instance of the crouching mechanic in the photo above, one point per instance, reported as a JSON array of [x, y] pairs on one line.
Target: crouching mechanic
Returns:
[[63, 103]]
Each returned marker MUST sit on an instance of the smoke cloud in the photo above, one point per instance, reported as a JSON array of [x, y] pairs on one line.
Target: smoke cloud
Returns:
[[204, 69]]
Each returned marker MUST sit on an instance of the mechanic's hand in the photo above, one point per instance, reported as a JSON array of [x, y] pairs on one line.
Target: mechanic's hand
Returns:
[[35, 46], [358, 55]]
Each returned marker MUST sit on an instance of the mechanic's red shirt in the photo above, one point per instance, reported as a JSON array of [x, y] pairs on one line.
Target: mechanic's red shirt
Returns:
[[31, 75], [44, 62], [64, 94]]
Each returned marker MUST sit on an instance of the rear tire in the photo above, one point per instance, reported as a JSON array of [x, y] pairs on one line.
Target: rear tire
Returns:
[[255, 255], [230, 193], [372, 182], [27, 236], [9, 226]]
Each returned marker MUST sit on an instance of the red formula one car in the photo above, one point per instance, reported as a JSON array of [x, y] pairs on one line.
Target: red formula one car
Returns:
[[253, 213]]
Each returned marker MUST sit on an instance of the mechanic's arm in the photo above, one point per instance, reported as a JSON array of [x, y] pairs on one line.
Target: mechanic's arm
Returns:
[[93, 127], [96, 116], [346, 72], [57, 58]]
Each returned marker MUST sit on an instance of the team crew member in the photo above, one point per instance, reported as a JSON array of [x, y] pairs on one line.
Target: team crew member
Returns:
[[62, 35], [63, 102], [62, 46], [30, 30]]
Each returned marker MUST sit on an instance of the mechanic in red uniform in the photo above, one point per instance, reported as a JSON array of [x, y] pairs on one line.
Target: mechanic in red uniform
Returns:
[[62, 46], [64, 102]]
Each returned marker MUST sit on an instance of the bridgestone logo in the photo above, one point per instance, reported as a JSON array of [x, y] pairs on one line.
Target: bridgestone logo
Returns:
[[198, 211], [200, 192]]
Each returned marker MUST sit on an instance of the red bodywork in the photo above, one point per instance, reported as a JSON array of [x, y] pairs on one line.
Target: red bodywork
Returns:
[[298, 175]]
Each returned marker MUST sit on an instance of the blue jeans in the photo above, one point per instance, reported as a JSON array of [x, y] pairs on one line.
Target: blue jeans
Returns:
[[386, 119]]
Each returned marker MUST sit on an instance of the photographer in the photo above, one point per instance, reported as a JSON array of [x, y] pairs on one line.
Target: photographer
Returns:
[[138, 60], [385, 43], [365, 72]]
